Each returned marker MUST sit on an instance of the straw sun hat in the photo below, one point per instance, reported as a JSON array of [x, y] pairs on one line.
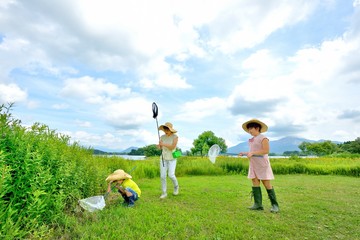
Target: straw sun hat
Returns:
[[264, 127], [118, 175], [169, 126]]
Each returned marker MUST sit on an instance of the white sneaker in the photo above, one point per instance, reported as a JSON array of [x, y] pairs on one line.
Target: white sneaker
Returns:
[[164, 195], [176, 190]]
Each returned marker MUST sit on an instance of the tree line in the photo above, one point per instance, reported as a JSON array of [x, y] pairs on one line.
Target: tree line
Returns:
[[326, 148]]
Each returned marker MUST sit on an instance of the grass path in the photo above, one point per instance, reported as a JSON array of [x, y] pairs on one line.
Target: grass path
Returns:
[[312, 207]]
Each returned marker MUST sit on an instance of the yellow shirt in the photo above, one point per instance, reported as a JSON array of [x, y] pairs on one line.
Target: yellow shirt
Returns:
[[131, 184]]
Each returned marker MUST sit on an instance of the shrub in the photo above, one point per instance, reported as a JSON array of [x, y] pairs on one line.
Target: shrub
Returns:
[[41, 176]]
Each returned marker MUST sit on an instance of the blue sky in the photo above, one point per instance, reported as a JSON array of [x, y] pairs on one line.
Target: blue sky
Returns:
[[91, 69]]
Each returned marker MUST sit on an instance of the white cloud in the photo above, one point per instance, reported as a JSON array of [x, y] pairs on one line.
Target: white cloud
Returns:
[[5, 3], [138, 137], [93, 90], [125, 36], [12, 53], [31, 104], [106, 140], [127, 114], [11, 93], [198, 110], [301, 90], [244, 29], [160, 74], [60, 106], [85, 124], [265, 81], [117, 140]]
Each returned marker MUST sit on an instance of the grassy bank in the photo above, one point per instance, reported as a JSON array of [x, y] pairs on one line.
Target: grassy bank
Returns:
[[215, 207], [198, 166]]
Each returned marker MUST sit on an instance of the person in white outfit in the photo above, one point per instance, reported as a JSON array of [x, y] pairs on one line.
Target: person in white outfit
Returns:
[[168, 143]]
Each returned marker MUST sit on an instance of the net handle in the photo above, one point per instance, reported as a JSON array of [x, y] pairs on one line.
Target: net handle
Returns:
[[155, 111]]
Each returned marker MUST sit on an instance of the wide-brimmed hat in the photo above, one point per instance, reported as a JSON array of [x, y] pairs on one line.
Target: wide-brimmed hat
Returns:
[[118, 175], [169, 126], [264, 127]]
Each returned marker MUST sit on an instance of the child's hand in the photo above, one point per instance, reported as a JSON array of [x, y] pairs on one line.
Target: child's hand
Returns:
[[249, 154], [109, 187]]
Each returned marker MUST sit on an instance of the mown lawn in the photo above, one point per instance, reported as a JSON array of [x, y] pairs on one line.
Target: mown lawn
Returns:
[[215, 207]]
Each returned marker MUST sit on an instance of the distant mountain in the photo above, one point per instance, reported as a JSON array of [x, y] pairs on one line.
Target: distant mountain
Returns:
[[129, 149], [122, 152], [99, 152], [278, 146]]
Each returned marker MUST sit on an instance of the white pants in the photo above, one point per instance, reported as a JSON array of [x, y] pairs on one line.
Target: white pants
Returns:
[[169, 167]]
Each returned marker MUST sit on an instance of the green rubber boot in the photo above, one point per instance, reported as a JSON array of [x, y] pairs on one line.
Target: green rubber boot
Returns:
[[256, 193], [274, 204]]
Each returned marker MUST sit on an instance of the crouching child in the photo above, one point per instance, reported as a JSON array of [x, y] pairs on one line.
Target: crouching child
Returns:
[[128, 189]]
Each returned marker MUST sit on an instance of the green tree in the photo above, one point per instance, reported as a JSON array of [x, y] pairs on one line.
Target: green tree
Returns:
[[291, 153], [151, 150], [204, 141], [205, 149], [304, 147], [137, 152], [318, 148], [351, 146]]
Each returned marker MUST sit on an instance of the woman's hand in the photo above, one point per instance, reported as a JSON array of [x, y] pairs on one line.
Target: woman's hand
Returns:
[[247, 154]]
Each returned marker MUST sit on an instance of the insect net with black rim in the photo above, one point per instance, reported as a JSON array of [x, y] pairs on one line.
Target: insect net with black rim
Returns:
[[155, 111]]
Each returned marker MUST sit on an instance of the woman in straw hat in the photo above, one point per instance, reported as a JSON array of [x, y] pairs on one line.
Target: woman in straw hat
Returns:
[[168, 143], [259, 167], [128, 189]]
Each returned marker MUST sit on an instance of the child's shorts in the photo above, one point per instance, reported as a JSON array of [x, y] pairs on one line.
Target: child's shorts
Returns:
[[134, 196]]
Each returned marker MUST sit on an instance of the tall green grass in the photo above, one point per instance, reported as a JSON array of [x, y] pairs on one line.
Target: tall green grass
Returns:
[[317, 166], [188, 166]]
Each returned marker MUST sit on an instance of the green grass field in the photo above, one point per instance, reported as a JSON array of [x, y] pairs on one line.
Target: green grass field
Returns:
[[215, 207]]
